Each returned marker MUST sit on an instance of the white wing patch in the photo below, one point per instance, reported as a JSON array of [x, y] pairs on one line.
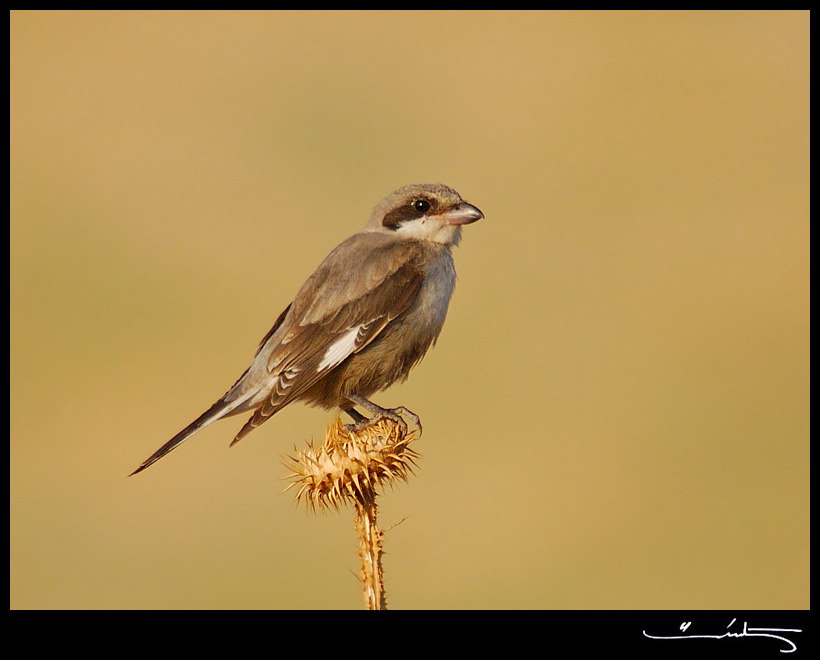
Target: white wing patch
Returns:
[[340, 348]]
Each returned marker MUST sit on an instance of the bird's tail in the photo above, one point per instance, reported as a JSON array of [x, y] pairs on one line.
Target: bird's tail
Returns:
[[222, 408]]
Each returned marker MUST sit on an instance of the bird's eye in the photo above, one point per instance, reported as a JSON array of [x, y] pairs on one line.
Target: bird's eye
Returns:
[[421, 205]]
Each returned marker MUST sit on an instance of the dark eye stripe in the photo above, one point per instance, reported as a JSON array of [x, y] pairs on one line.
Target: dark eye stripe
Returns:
[[404, 213]]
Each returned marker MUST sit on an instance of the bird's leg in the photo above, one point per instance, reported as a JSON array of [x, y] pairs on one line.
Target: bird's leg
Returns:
[[377, 413], [356, 416]]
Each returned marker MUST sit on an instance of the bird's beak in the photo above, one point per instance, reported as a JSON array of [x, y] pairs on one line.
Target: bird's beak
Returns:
[[463, 214]]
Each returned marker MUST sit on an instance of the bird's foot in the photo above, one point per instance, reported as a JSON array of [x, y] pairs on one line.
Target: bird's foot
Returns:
[[378, 413]]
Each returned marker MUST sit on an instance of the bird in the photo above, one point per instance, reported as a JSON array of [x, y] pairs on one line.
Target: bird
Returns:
[[360, 322]]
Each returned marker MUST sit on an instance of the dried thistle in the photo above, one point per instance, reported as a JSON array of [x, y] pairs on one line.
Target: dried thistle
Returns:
[[352, 465]]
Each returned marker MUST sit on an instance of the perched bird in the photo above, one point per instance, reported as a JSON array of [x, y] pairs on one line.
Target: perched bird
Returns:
[[366, 316]]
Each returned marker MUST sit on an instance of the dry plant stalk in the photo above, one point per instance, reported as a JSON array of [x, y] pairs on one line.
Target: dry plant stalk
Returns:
[[352, 466], [370, 554]]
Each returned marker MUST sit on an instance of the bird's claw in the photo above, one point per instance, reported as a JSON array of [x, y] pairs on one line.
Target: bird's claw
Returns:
[[396, 415], [401, 410]]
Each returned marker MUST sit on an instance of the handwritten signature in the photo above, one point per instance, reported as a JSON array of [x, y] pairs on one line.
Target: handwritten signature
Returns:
[[746, 632]]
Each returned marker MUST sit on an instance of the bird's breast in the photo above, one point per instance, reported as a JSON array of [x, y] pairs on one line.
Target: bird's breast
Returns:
[[430, 307]]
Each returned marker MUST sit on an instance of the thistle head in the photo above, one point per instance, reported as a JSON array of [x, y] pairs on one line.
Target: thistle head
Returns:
[[352, 464]]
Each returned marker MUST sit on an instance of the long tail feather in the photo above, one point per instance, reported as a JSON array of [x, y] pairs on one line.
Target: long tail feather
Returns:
[[221, 408]]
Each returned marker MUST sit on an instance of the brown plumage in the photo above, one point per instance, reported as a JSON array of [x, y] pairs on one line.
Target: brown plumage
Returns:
[[368, 314]]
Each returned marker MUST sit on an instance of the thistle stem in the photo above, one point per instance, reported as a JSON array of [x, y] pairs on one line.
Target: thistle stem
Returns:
[[354, 465], [370, 553]]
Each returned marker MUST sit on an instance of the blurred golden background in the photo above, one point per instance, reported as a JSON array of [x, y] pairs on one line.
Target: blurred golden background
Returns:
[[617, 412]]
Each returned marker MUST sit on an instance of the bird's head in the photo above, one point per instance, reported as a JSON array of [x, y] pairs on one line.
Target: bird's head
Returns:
[[424, 211]]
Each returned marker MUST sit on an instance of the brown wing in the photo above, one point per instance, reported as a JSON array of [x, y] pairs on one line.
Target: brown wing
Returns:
[[340, 310]]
